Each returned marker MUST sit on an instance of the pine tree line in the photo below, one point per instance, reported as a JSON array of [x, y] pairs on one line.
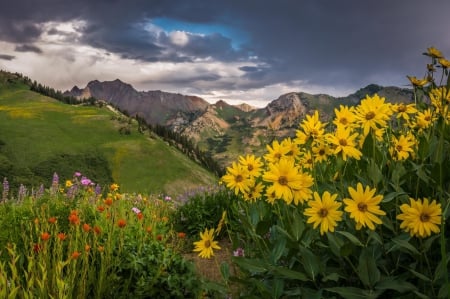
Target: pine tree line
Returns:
[[185, 145]]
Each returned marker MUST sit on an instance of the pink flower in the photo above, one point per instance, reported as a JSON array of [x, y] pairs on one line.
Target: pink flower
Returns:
[[239, 252], [85, 181], [136, 210]]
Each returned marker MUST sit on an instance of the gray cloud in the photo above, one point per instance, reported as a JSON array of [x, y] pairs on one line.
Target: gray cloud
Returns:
[[346, 44], [28, 48], [6, 57]]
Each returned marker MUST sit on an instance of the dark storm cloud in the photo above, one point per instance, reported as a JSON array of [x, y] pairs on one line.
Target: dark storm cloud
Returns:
[[28, 48], [6, 57], [348, 43]]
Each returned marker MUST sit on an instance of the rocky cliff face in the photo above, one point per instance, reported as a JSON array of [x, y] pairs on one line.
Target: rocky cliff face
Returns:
[[156, 107]]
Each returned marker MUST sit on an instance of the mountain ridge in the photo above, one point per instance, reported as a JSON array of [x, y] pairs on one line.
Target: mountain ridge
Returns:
[[222, 129]]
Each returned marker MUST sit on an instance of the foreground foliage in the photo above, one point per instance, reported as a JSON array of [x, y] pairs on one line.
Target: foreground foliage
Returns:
[[357, 207], [73, 242]]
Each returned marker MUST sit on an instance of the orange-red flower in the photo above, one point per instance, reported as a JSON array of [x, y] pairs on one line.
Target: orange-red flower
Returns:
[[52, 220], [108, 201], [140, 216], [75, 255], [181, 235], [97, 230], [62, 236], [87, 247], [121, 223], [159, 237], [148, 229], [100, 208], [73, 217], [45, 236], [86, 227]]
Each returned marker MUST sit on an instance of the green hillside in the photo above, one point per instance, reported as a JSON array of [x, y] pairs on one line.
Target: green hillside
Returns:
[[40, 135]]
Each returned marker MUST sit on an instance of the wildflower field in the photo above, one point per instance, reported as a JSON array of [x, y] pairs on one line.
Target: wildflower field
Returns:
[[356, 206]]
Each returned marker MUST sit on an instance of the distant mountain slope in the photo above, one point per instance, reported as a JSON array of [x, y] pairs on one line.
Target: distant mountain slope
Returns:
[[156, 107], [225, 130], [40, 135]]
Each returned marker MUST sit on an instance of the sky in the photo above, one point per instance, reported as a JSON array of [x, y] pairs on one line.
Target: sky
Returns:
[[248, 51]]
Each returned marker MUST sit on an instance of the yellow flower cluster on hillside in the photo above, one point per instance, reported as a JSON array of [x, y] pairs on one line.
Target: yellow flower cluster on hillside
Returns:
[[288, 171]]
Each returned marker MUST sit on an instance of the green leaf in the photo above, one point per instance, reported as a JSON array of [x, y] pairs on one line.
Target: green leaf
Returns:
[[420, 275], [290, 274], [367, 267], [310, 262], [332, 277], [390, 196], [278, 287], [352, 293], [297, 227], [391, 283], [278, 250], [251, 265], [225, 270], [441, 271], [444, 291], [283, 231], [374, 172], [405, 245], [335, 244], [308, 293], [373, 235], [351, 237]]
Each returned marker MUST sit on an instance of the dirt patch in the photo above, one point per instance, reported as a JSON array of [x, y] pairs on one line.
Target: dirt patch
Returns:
[[210, 268]]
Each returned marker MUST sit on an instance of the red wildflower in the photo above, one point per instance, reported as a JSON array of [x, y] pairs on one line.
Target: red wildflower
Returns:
[[75, 255], [73, 217], [140, 216], [86, 227], [181, 235], [52, 220], [100, 208], [36, 247], [87, 247], [97, 230], [62, 236], [108, 201], [45, 236], [121, 223], [148, 229]]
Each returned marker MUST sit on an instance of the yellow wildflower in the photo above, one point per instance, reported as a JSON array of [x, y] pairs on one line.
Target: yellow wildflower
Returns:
[[363, 206], [420, 218]]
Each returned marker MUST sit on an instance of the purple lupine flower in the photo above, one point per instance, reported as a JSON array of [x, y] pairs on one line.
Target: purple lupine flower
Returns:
[[136, 210], [55, 180], [239, 252], [72, 191], [22, 192], [98, 190], [39, 193], [5, 189], [55, 183]]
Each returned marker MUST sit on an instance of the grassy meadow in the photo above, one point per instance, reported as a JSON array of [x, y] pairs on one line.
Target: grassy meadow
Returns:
[[40, 136]]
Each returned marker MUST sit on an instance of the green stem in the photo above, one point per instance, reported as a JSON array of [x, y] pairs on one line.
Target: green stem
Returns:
[[443, 246]]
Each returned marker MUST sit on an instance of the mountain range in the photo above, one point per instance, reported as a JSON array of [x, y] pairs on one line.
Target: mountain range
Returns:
[[221, 129]]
